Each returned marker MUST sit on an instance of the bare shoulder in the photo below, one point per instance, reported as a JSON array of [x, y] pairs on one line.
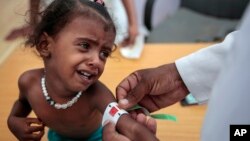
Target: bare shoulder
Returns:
[[101, 95], [27, 79], [99, 88]]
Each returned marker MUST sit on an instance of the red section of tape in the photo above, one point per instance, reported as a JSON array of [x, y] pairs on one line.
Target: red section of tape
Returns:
[[113, 111]]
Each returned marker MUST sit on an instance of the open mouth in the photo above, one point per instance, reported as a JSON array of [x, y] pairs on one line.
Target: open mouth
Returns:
[[86, 75]]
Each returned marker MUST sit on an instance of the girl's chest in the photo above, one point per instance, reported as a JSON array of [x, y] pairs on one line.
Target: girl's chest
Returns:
[[79, 114]]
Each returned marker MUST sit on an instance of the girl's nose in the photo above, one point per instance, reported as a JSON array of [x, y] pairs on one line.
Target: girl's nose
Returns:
[[94, 60]]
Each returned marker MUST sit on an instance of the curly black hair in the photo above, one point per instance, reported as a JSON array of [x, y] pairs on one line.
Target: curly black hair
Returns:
[[61, 12]]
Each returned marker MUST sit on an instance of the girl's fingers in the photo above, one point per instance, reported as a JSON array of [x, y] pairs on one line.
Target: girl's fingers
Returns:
[[35, 129], [33, 121], [35, 136]]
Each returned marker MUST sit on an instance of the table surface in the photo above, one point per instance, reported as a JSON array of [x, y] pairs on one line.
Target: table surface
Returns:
[[189, 119]]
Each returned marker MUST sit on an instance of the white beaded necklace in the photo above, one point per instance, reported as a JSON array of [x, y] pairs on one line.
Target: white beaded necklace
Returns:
[[53, 103]]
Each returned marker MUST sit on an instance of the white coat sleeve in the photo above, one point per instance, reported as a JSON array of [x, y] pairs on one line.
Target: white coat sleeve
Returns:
[[200, 69], [229, 101]]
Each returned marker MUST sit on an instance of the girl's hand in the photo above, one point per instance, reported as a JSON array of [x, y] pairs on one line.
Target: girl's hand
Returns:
[[26, 128]]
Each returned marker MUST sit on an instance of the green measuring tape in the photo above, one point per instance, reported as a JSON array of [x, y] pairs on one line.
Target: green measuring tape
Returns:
[[155, 116]]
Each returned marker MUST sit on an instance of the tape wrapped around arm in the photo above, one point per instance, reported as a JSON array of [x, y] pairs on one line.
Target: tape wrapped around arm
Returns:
[[112, 113]]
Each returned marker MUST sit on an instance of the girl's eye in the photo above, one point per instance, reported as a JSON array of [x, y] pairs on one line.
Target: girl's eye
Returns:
[[84, 45], [105, 54]]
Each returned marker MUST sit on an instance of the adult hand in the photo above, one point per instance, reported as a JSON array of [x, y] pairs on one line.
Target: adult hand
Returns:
[[132, 34], [26, 128], [153, 88], [110, 133]]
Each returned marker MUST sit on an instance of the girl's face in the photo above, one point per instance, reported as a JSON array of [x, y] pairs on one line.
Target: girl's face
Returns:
[[79, 53]]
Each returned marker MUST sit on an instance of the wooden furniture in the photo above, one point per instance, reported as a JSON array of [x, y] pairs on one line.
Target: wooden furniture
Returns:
[[190, 118]]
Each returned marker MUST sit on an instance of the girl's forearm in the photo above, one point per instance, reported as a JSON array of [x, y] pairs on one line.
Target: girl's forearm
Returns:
[[20, 109]]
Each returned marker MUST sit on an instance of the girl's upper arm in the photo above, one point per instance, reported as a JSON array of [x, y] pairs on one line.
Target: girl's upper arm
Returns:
[[102, 96], [23, 85], [21, 107]]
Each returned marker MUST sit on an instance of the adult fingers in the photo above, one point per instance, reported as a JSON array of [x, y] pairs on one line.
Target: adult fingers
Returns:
[[151, 103], [151, 124], [126, 85], [110, 134], [133, 97], [147, 121]]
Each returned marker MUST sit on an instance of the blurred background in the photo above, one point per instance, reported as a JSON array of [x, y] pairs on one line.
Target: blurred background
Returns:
[[159, 21], [12, 16], [194, 20]]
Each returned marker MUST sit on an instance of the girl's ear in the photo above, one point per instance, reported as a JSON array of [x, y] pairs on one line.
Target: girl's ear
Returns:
[[44, 47]]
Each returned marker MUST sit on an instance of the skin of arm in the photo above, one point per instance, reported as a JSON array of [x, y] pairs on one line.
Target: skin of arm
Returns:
[[34, 10], [29, 27], [132, 19], [20, 125], [126, 125]]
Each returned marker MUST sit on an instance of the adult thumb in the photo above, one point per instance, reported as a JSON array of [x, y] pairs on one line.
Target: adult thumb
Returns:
[[133, 97], [110, 134]]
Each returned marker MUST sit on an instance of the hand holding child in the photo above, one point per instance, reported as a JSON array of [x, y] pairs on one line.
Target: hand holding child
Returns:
[[134, 130]]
